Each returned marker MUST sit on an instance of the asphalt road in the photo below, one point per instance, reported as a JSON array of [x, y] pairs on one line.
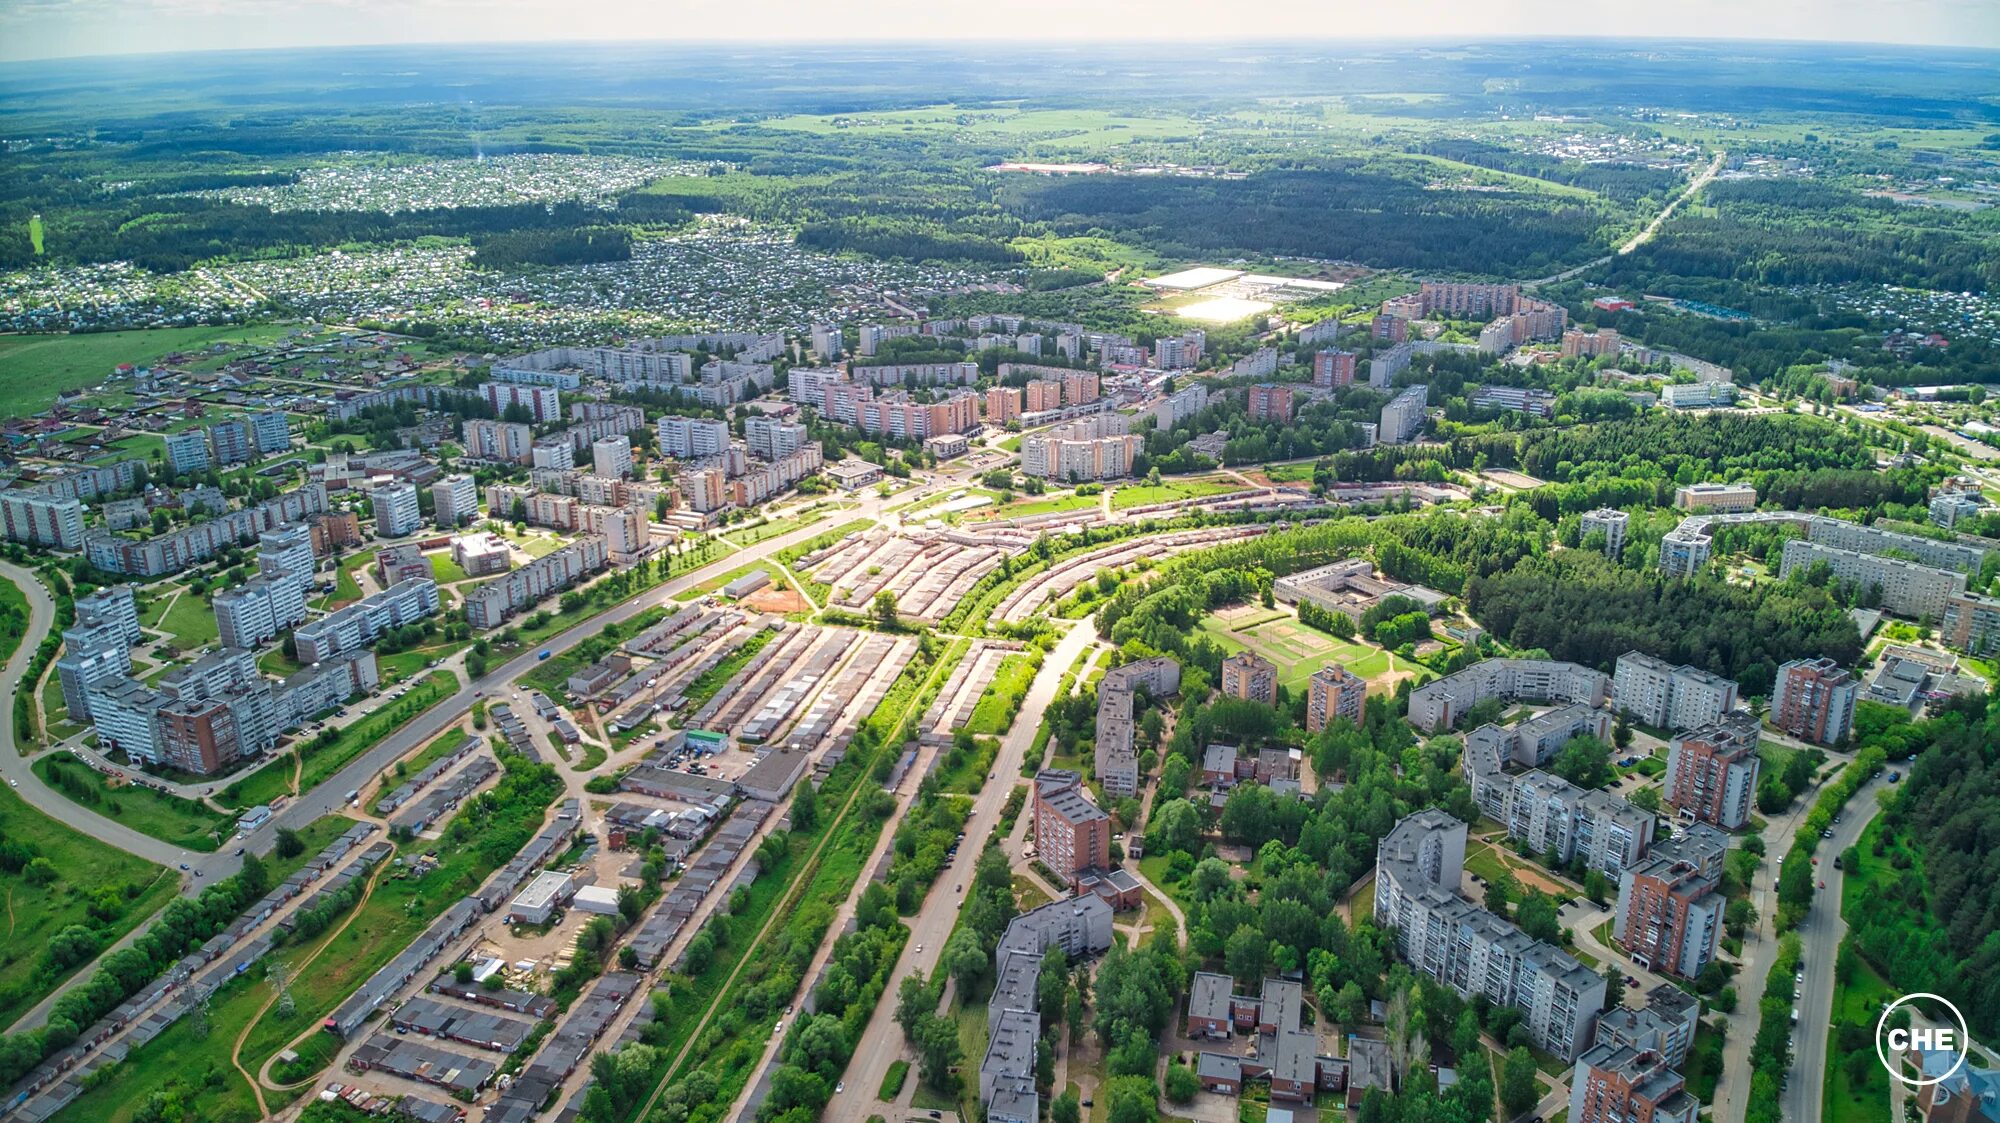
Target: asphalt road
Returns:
[[15, 767], [1819, 945], [882, 1041]]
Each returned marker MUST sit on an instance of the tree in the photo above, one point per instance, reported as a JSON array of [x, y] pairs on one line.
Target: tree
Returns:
[[1132, 1099], [938, 1051], [1182, 1083], [1245, 952], [289, 844], [914, 1001], [1175, 825], [1065, 1109], [965, 958], [1537, 917], [1584, 761], [805, 807], [885, 608], [1517, 1081]]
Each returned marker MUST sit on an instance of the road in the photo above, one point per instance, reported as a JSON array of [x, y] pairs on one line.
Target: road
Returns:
[[1642, 237], [882, 1041], [1819, 946], [1759, 948], [360, 772], [15, 767]]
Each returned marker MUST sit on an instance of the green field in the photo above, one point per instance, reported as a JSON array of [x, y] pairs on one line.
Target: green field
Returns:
[[36, 368], [446, 571], [1167, 491], [35, 233], [168, 818], [1297, 649], [84, 867], [1050, 506], [191, 621], [997, 705]]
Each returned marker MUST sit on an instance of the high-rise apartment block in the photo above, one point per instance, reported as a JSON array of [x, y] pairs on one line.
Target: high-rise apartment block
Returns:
[[692, 438], [1669, 914], [187, 451], [1250, 677], [270, 431], [509, 442], [1072, 834], [1403, 416], [1612, 524], [1814, 700], [229, 442], [543, 403], [1712, 772], [396, 509], [1660, 694], [1334, 692], [454, 501], [1333, 370], [1619, 1084], [1269, 401], [1418, 867]]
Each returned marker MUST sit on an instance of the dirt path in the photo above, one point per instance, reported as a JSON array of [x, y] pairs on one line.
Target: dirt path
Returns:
[[261, 1080]]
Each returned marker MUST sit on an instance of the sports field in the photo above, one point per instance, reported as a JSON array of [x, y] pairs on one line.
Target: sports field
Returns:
[[1277, 635]]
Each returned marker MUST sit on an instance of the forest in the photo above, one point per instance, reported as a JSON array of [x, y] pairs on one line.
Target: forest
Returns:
[[1376, 212], [1926, 906], [1624, 182]]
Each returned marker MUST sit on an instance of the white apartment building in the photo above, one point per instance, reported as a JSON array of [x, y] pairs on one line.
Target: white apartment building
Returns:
[[454, 501], [1659, 694], [1612, 524], [1441, 704], [396, 510], [612, 456], [1403, 416], [692, 438], [771, 438]]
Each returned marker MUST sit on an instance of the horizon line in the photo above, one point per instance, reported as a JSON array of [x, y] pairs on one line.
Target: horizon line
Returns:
[[836, 42]]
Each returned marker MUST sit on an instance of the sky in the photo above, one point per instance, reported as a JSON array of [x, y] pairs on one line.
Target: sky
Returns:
[[31, 29]]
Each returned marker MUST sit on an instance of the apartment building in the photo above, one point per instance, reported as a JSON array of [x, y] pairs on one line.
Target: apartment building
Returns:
[[1081, 927], [692, 438], [916, 374], [170, 553], [95, 653], [1665, 1025], [397, 512], [1043, 394], [772, 438], [1072, 834], [1403, 417], [1269, 401], [229, 442], [826, 341], [1440, 704], [1117, 763], [1418, 868], [509, 442], [1814, 699], [270, 431], [490, 603], [898, 416], [554, 454], [1468, 301], [1334, 692], [1697, 395], [1712, 772], [1334, 369], [1971, 623], [1548, 814], [1250, 677], [612, 456], [1657, 693], [1907, 588], [42, 520], [187, 451], [454, 501], [1096, 448], [359, 624], [1669, 915], [543, 403], [1612, 524], [1619, 1084], [1003, 404], [1602, 343], [1716, 499]]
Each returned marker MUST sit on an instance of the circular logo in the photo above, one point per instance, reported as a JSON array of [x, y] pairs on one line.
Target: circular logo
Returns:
[[1954, 1038]]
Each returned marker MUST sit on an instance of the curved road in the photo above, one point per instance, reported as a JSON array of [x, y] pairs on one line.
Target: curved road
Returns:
[[1819, 946], [15, 766]]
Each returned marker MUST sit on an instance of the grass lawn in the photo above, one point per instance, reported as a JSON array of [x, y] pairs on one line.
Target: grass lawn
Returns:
[[191, 621], [892, 1081], [36, 913], [1048, 506], [1027, 894], [447, 571], [751, 535], [1168, 491], [168, 818], [773, 569], [36, 368], [1297, 649], [1857, 1002], [1704, 1063], [994, 712]]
